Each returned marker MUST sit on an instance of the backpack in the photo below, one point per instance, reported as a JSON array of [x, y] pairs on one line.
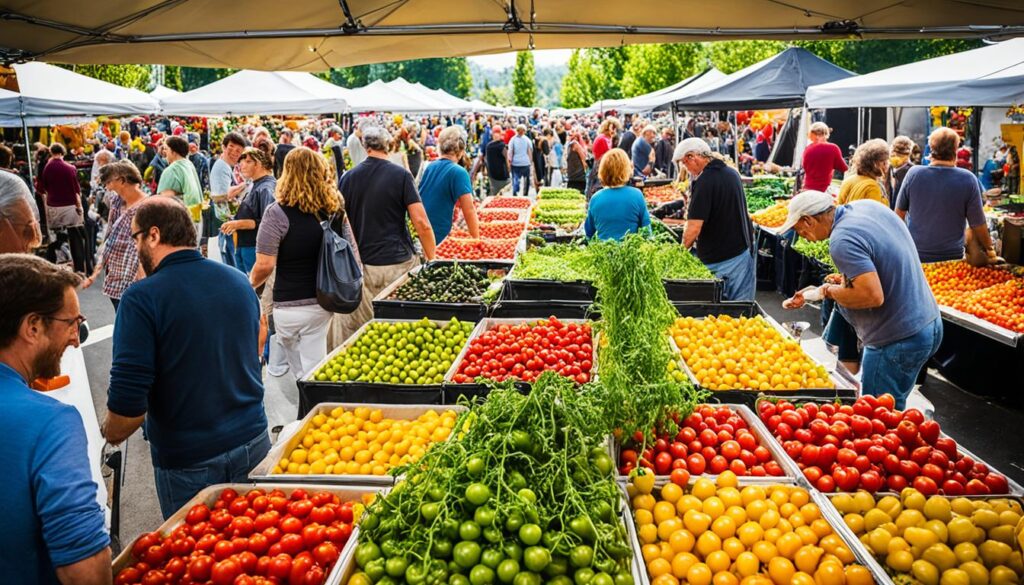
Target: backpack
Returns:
[[339, 278]]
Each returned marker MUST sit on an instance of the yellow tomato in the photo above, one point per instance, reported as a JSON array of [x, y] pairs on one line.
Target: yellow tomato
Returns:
[[681, 563], [699, 574], [747, 564], [781, 571]]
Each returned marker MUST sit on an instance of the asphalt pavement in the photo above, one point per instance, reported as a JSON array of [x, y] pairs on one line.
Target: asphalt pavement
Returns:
[[987, 428]]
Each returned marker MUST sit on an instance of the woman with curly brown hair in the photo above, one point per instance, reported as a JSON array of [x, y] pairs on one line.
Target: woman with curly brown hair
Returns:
[[289, 239], [870, 163]]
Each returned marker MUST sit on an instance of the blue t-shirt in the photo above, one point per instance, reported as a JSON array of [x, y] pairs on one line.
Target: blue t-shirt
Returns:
[[441, 185], [615, 212], [520, 147], [868, 237], [641, 155], [185, 355], [940, 203], [48, 510]]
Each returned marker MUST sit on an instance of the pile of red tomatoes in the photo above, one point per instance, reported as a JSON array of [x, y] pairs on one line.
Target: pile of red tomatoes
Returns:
[[526, 350]]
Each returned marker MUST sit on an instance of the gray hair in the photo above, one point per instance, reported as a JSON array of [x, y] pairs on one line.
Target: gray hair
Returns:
[[12, 190], [363, 123], [452, 140], [104, 156], [521, 129], [376, 138]]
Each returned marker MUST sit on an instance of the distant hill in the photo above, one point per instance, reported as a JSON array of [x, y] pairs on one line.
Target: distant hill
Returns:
[[549, 84]]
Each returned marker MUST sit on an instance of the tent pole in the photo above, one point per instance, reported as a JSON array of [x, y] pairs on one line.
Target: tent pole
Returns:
[[975, 135], [28, 150], [736, 140]]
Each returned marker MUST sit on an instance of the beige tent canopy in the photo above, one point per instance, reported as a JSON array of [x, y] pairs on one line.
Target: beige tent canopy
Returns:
[[312, 35]]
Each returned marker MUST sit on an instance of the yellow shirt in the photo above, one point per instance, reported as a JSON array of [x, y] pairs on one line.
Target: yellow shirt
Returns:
[[857, 187]]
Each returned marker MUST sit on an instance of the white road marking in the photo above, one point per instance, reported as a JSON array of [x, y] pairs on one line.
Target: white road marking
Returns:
[[99, 334]]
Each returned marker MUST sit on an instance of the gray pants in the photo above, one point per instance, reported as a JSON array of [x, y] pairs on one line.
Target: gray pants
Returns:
[[496, 185]]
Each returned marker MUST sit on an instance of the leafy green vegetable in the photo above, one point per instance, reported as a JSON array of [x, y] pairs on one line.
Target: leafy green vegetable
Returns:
[[816, 250], [570, 262], [559, 193]]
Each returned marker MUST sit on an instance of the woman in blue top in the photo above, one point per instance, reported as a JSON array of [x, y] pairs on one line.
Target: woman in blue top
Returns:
[[618, 209]]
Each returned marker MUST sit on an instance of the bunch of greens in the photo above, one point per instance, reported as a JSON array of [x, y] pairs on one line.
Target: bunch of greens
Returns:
[[674, 262], [568, 219], [523, 489], [759, 198], [816, 250], [781, 184], [570, 262], [635, 356]]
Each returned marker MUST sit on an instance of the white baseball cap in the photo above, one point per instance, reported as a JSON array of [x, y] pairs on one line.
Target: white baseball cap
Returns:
[[689, 145], [806, 203]]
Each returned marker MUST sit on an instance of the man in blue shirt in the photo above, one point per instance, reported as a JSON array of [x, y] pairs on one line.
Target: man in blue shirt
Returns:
[[192, 375], [641, 152], [520, 158], [444, 183], [53, 528], [884, 294]]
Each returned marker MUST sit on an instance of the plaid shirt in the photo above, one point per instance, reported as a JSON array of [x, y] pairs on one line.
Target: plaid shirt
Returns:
[[120, 258]]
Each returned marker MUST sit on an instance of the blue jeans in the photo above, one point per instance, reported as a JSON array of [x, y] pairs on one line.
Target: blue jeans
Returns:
[[227, 249], [175, 487], [739, 275], [245, 258], [893, 368], [521, 174]]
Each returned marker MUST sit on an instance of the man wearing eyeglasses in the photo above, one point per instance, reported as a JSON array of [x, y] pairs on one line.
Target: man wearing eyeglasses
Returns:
[[53, 527], [19, 228]]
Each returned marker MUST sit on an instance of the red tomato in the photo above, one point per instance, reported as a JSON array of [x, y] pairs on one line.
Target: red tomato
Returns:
[[143, 542], [951, 487], [326, 554], [292, 543], [696, 464], [997, 483], [662, 463], [680, 477], [826, 484], [847, 478], [871, 481], [199, 568], [677, 450], [812, 473], [730, 449], [128, 576], [291, 525], [280, 566], [154, 577], [896, 483], [925, 485], [300, 564], [198, 513]]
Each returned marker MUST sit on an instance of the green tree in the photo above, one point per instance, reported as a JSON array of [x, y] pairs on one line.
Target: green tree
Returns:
[[193, 77], [652, 67], [450, 74], [172, 77], [731, 56], [134, 76], [524, 83]]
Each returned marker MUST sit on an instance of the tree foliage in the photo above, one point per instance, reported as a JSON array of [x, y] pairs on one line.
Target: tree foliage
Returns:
[[524, 80], [731, 56], [193, 77], [172, 77], [450, 74], [593, 74], [652, 67], [134, 76]]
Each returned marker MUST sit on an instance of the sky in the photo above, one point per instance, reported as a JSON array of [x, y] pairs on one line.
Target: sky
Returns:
[[540, 59]]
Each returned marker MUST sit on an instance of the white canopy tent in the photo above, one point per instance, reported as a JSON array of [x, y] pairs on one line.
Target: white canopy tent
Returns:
[[423, 95], [382, 97], [259, 93], [455, 101], [483, 107], [989, 76], [162, 91]]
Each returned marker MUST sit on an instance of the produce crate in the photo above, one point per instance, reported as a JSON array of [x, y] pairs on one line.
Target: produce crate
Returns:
[[346, 565], [263, 472], [860, 553], [845, 388], [542, 309], [453, 390], [388, 308], [731, 308], [765, 438], [582, 290], [694, 290], [313, 392], [209, 497]]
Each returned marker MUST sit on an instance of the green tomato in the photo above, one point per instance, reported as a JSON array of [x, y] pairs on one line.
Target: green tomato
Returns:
[[514, 522], [369, 522], [491, 558], [605, 565], [481, 575], [559, 565], [603, 510], [385, 580], [396, 566], [583, 527], [522, 441], [602, 578], [507, 570], [477, 494], [436, 493], [526, 578], [450, 529], [512, 550], [493, 535], [469, 530], [516, 480], [441, 548], [527, 495], [583, 576], [416, 574], [365, 553], [430, 510], [581, 556], [466, 554], [604, 464], [375, 569], [529, 534], [536, 558], [476, 466], [457, 579], [389, 548], [484, 516], [560, 580], [623, 578]]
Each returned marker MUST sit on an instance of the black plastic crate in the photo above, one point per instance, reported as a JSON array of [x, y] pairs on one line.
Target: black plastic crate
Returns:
[[312, 393], [543, 309], [547, 290], [395, 309], [694, 290], [453, 393], [731, 308]]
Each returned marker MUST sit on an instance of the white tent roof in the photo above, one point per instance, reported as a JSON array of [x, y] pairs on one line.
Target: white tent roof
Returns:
[[259, 92], [382, 97], [162, 91], [48, 94], [483, 107], [457, 102], [662, 97], [423, 95], [989, 76]]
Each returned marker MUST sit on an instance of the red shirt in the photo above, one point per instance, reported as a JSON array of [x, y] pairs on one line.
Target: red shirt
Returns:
[[509, 135], [602, 144], [821, 160], [60, 182]]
